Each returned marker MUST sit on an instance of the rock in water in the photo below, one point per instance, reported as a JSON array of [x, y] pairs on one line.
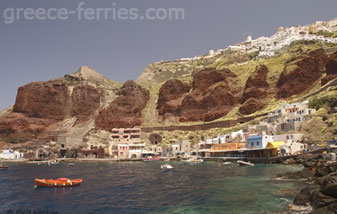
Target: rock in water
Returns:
[[329, 185]]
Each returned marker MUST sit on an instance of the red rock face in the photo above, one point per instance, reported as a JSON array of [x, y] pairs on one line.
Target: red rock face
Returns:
[[256, 89], [125, 110], [212, 106], [256, 85], [209, 99], [52, 100], [170, 94], [85, 100], [299, 75], [209, 76], [250, 106], [48, 100], [331, 69], [17, 128]]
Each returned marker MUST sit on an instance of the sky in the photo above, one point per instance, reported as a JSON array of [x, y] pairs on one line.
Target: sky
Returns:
[[120, 48]]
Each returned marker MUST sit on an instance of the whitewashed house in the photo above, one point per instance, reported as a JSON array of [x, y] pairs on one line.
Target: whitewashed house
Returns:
[[292, 148], [11, 155]]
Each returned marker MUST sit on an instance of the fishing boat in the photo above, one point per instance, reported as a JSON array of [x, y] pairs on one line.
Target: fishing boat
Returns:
[[227, 163], [166, 167], [244, 163], [193, 160], [60, 182], [150, 158], [3, 167]]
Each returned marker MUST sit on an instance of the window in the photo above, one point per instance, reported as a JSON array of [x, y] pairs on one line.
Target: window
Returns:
[[257, 143]]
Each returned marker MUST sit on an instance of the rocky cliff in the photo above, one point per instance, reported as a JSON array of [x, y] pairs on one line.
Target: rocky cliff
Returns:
[[230, 85]]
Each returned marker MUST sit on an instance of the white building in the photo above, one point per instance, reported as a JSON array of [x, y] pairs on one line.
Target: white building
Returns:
[[10, 155], [289, 138], [292, 148], [181, 147]]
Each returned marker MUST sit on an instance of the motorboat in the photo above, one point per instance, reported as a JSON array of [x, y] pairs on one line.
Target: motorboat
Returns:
[[52, 162], [244, 163], [3, 167], [71, 164], [60, 182], [227, 163], [150, 158], [193, 160], [166, 167]]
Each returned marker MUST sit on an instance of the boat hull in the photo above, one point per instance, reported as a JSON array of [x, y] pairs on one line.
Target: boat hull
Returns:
[[57, 183]]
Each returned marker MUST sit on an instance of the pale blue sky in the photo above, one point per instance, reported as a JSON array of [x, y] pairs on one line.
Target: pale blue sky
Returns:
[[120, 50]]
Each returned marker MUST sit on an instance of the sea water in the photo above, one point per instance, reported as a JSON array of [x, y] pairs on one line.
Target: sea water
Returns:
[[141, 187]]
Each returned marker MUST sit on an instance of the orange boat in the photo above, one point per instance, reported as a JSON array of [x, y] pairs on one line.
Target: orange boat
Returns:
[[60, 182]]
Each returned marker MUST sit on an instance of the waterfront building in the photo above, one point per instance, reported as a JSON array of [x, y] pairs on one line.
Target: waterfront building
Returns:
[[292, 148], [122, 150], [126, 143], [125, 135], [93, 152], [10, 154], [258, 141], [181, 147], [289, 137]]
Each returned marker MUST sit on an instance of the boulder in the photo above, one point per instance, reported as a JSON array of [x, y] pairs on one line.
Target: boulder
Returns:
[[329, 185], [318, 199], [303, 197], [330, 209]]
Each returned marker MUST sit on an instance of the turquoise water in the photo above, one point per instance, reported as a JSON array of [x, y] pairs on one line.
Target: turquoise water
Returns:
[[143, 188]]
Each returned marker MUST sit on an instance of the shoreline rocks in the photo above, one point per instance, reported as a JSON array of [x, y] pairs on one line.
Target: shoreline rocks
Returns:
[[321, 176]]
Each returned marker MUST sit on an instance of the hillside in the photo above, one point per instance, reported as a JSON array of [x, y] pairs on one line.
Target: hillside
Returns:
[[214, 93]]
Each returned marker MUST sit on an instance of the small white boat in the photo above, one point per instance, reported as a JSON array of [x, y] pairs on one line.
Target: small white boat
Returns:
[[193, 160], [52, 162], [244, 163], [227, 163], [166, 167]]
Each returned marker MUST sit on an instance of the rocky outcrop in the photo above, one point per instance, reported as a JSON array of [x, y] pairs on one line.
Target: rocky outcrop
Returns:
[[250, 106], [203, 79], [170, 97], [48, 100], [256, 89], [301, 73], [125, 110], [322, 194], [208, 99], [18, 128], [85, 100], [329, 185], [213, 105], [330, 69]]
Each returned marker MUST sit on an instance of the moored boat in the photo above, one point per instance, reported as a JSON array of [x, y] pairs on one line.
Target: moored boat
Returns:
[[227, 163], [166, 167], [3, 167], [60, 182], [193, 160], [244, 163], [150, 158]]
